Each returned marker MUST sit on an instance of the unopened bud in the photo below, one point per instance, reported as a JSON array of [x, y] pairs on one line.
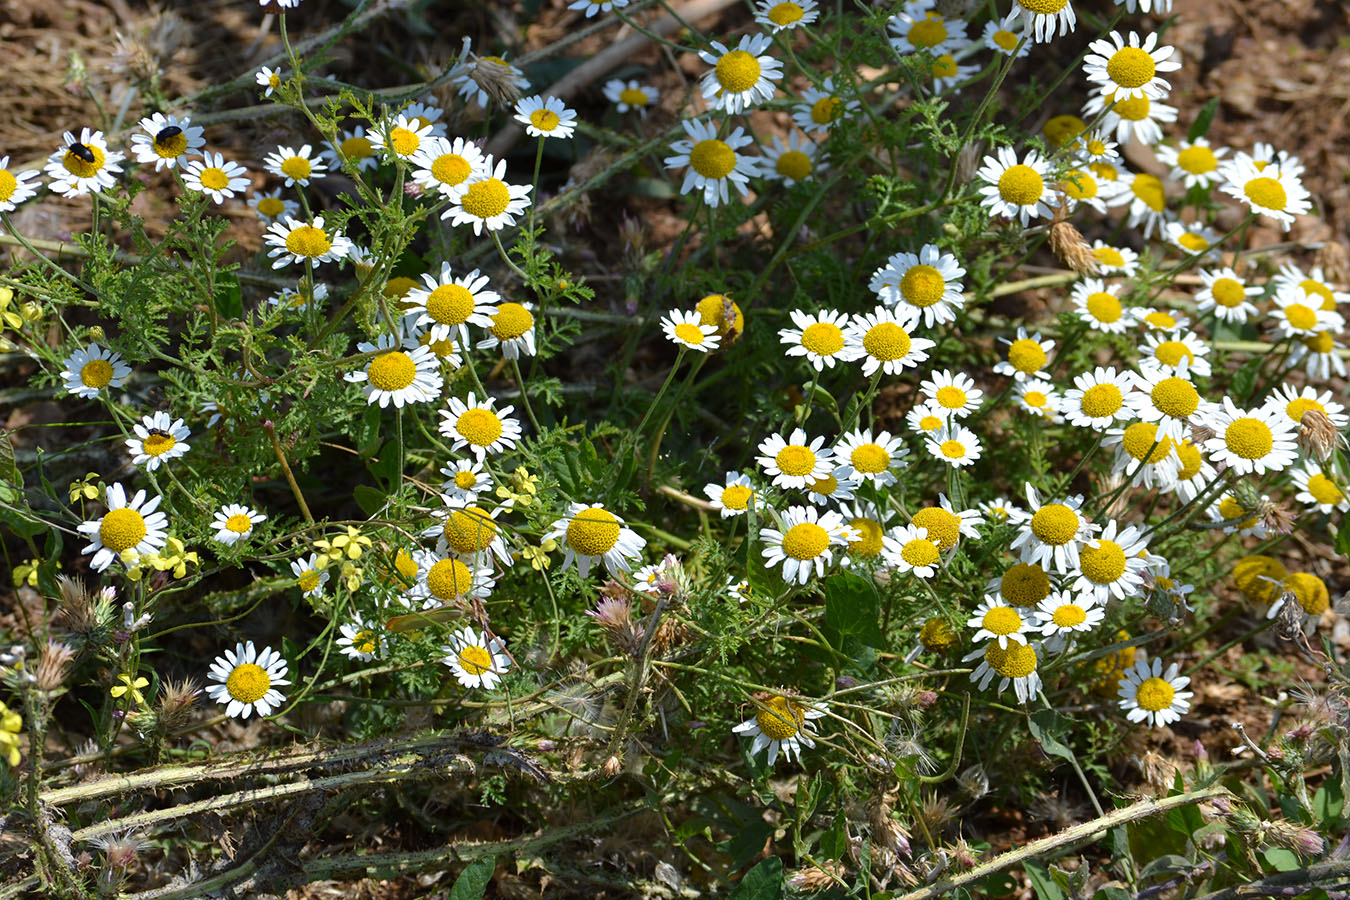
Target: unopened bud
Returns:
[[96, 334]]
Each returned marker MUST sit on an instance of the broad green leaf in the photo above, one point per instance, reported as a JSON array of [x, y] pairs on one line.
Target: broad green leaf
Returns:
[[852, 608], [763, 882], [473, 881]]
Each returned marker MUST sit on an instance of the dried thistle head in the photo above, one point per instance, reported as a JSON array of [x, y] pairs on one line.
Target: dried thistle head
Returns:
[[973, 782], [1276, 517], [937, 813], [614, 613], [1069, 245], [885, 830], [813, 879], [1318, 435], [90, 617], [177, 698], [1298, 838], [1158, 770], [1056, 810], [120, 848], [52, 666]]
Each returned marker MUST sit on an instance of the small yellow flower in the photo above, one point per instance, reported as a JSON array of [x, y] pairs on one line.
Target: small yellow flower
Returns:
[[10, 725], [350, 545], [539, 556], [88, 487], [520, 487], [128, 686], [27, 572], [352, 575], [10, 318]]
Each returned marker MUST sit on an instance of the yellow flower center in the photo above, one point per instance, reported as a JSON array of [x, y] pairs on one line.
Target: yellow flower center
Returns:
[[392, 371], [158, 444], [1175, 397], [737, 71], [1322, 342], [1324, 490], [451, 169], [170, 146], [97, 373], [1196, 243], [1131, 67], [944, 528], [826, 110], [450, 304], [1249, 438], [404, 142], [1310, 592], [1191, 460], [511, 321], [271, 207], [737, 496], [953, 449], [405, 565], [1310, 289], [248, 683], [1106, 172], [784, 14], [1139, 440], [1069, 615], [823, 339], [943, 67], [475, 660], [1061, 130], [928, 32], [448, 579], [1021, 185], [1109, 256], [886, 341], [1154, 695], [1228, 293], [937, 635], [308, 241], [689, 333], [712, 159], [239, 524], [1002, 620], [1016, 661], [920, 552], [1150, 190], [469, 530], [1096, 147], [1197, 160], [825, 486], [593, 532], [1135, 109], [1055, 524], [544, 119], [1301, 405], [1026, 355], [1302, 317], [1035, 399], [633, 97], [214, 179], [869, 544], [1104, 563], [465, 479], [1231, 509], [793, 164], [1024, 585], [485, 199], [1006, 40], [8, 184], [480, 427], [274, 81], [1103, 307], [83, 168], [795, 460], [805, 541], [364, 641], [779, 719], [870, 459], [121, 529], [309, 580], [922, 286], [713, 310], [356, 148], [1079, 185], [296, 167], [1171, 353], [1266, 193], [1102, 400], [950, 397], [930, 423]]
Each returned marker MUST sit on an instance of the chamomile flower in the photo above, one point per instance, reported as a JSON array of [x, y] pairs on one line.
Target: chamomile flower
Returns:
[[445, 577], [402, 371], [234, 522], [1296, 403], [479, 660], [1160, 319], [16, 187], [308, 576], [305, 243], [1144, 454], [512, 329], [836, 487], [684, 328], [1112, 564], [361, 640], [1297, 315], [1167, 397], [166, 140], [946, 525], [298, 299], [465, 480], [819, 336], [927, 417], [246, 680], [446, 306], [804, 544], [83, 165], [794, 462], [1264, 154], [1318, 489], [94, 369], [1014, 664], [1318, 355], [1194, 473], [1273, 191], [954, 445], [1052, 535], [1017, 189], [1007, 37], [545, 117], [631, 95], [270, 205], [447, 167], [589, 533], [868, 524], [1194, 163], [871, 458], [783, 15], [954, 393], [732, 498], [214, 176], [821, 109], [354, 146], [1028, 356], [1063, 614], [782, 724], [713, 162], [1130, 69], [296, 166], [1145, 201], [1314, 285], [791, 162], [946, 72], [468, 531], [1039, 397], [1022, 585], [1226, 295], [485, 78], [923, 287], [1169, 351], [918, 27], [158, 439], [487, 201], [1148, 694], [595, 7], [881, 342], [1192, 239], [268, 78], [1134, 119], [907, 548], [478, 426], [135, 525], [1001, 509], [1258, 440], [1080, 187], [1099, 305], [1041, 18], [743, 77], [1121, 262], [999, 623], [1099, 398]]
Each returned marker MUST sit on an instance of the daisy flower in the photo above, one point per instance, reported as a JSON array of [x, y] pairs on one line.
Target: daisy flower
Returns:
[[1118, 261], [1043, 17], [794, 462], [447, 166], [780, 724], [917, 27], [1236, 518], [647, 579], [1052, 535], [1296, 315], [402, 371], [1063, 131], [546, 117], [1167, 397], [361, 640], [732, 498], [743, 77], [1273, 191], [166, 140], [1194, 163], [946, 525], [214, 176], [443, 579], [487, 201], [296, 166], [1134, 119], [83, 165], [1098, 398], [469, 530], [881, 342], [234, 522], [723, 313], [1317, 488], [1318, 355], [268, 78], [1264, 154], [1112, 564], [867, 522], [1001, 509], [308, 576], [1063, 614], [1027, 356], [594, 7], [835, 487], [354, 146], [922, 287], [1007, 37], [1297, 402], [158, 440], [1194, 473], [927, 417], [804, 545], [954, 393], [1192, 240], [1130, 69], [684, 328], [93, 369], [1143, 454], [1162, 351], [1081, 188], [1039, 398], [134, 525], [1156, 318], [821, 109], [1099, 305], [1162, 7], [16, 187], [791, 162], [305, 242], [870, 458], [947, 73], [1017, 190], [446, 306], [999, 623], [270, 205], [1148, 694], [247, 680], [1014, 664], [1315, 285], [512, 329], [907, 548], [632, 94], [1145, 201], [1093, 148], [955, 445], [478, 659], [298, 299], [819, 336], [479, 427], [589, 534], [1022, 585], [465, 481], [782, 15], [713, 162], [1226, 295], [1259, 440]]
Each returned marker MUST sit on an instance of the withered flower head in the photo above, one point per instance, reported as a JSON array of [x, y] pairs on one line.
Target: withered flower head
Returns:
[[1318, 435], [1069, 247], [176, 701], [814, 879], [52, 666], [1276, 517]]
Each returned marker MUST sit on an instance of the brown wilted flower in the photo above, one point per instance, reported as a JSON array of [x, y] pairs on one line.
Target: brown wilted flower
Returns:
[[176, 701], [1276, 516], [814, 879], [968, 161], [1158, 770], [52, 666], [1069, 247], [614, 613], [937, 813], [88, 616], [885, 830], [612, 767], [1294, 837], [1318, 435]]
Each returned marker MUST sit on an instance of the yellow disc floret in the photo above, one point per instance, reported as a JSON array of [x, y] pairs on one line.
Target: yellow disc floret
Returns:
[[1055, 524], [469, 530], [1154, 695], [121, 529], [448, 579], [308, 241], [1026, 355], [391, 371], [480, 427], [944, 528], [1021, 185], [712, 159], [593, 532], [737, 71], [780, 718], [248, 683], [795, 460], [886, 341], [485, 199], [1249, 438], [1103, 564], [1131, 67], [806, 540]]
